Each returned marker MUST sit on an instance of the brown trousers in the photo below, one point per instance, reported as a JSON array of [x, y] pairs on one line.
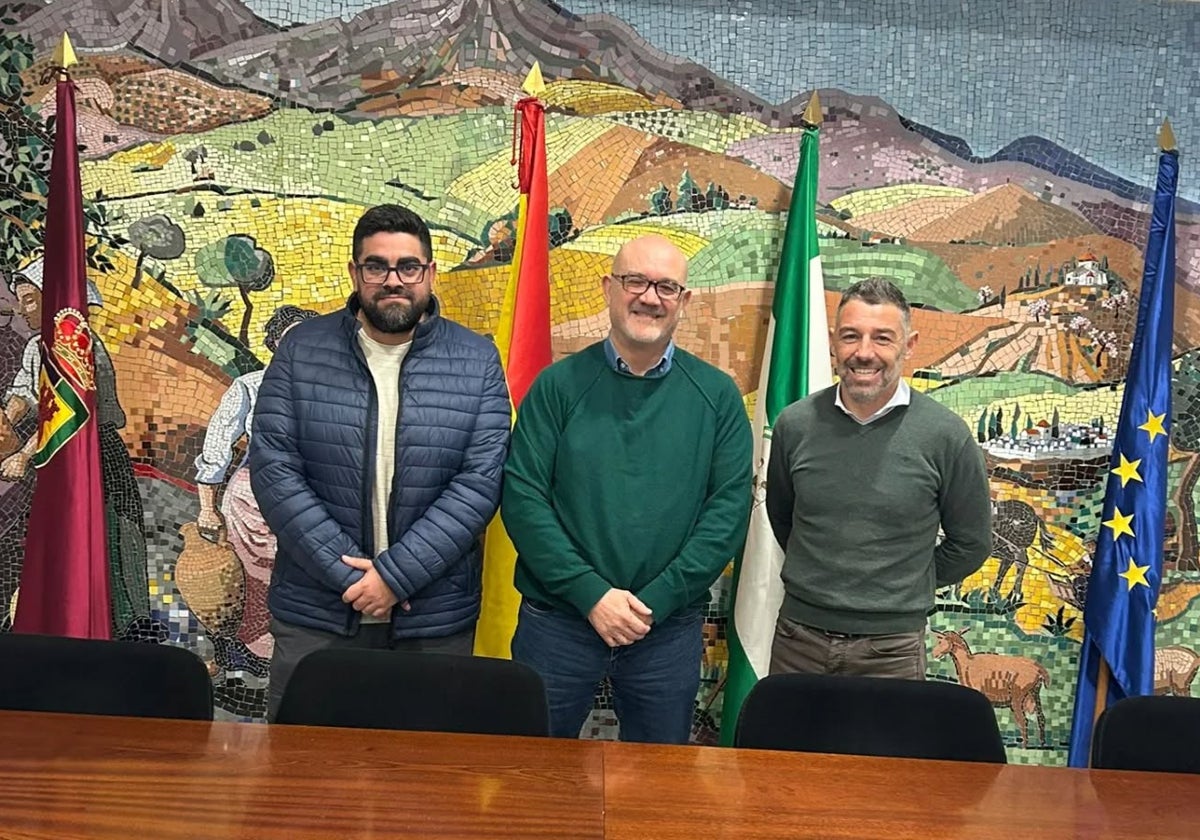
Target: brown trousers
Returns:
[[798, 648]]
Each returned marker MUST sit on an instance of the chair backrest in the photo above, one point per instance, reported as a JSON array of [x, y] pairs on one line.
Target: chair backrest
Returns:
[[92, 677], [1149, 733], [870, 716], [434, 692]]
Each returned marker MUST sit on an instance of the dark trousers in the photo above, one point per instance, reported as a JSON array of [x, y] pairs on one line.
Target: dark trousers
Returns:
[[293, 643], [799, 649], [654, 680]]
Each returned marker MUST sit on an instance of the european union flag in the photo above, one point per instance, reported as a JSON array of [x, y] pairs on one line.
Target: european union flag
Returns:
[[1127, 569]]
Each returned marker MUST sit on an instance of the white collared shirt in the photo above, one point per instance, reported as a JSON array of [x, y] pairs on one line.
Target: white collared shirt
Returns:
[[902, 396]]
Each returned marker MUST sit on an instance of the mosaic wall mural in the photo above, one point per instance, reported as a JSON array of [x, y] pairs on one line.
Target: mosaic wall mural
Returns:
[[995, 166]]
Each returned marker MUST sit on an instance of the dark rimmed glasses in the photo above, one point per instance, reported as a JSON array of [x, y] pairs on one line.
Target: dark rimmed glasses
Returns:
[[408, 272], [639, 284]]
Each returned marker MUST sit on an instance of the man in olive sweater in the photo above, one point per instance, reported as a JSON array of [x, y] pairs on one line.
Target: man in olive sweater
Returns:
[[627, 491], [861, 475]]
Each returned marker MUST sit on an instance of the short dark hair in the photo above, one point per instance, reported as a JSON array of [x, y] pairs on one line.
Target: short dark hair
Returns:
[[877, 291], [282, 318], [392, 218]]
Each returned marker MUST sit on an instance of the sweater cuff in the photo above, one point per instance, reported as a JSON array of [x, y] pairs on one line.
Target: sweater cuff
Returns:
[[657, 595], [586, 592]]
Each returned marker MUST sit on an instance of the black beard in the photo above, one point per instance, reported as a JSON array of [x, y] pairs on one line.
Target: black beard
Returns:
[[393, 319]]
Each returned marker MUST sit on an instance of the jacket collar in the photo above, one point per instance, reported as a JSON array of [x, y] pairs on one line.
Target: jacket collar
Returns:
[[422, 334]]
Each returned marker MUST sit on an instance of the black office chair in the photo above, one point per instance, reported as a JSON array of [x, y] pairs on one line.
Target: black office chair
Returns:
[[92, 677], [433, 692], [870, 716], [1149, 733]]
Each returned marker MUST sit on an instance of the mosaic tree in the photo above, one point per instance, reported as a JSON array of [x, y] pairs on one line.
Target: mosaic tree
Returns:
[[716, 197], [196, 157], [562, 227], [102, 241], [236, 261], [501, 235], [660, 201], [1185, 436], [1038, 308], [26, 144], [691, 199], [501, 238], [155, 236]]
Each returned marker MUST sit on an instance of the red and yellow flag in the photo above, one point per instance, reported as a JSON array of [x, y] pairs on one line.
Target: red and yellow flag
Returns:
[[523, 337], [64, 580]]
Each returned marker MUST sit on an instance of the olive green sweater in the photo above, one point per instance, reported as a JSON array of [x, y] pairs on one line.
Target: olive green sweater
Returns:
[[856, 509]]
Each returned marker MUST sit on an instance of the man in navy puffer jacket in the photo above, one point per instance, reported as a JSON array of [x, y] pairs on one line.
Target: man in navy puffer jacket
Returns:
[[376, 456]]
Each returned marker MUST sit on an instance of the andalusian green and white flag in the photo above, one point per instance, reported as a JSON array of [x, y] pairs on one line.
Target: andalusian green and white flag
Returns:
[[796, 363]]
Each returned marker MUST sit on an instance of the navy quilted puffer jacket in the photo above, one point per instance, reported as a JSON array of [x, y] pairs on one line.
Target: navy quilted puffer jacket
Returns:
[[312, 458]]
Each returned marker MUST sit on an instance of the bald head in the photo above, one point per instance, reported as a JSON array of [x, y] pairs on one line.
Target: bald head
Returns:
[[653, 256], [646, 294]]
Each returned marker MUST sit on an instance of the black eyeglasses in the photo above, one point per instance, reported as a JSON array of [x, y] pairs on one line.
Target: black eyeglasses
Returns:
[[638, 284], [409, 272]]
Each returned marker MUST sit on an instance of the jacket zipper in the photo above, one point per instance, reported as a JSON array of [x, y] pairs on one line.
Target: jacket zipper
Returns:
[[371, 456]]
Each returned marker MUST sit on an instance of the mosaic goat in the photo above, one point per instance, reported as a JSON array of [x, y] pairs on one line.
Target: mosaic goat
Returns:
[[1175, 667], [1013, 682]]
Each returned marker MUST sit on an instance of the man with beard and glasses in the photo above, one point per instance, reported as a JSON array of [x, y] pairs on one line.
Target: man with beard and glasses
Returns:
[[376, 456], [860, 478], [626, 493]]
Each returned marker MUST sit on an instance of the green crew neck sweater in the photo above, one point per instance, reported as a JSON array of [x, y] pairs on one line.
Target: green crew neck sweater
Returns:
[[857, 509], [619, 481]]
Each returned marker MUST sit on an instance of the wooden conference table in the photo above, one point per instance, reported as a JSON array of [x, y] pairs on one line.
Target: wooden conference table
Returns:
[[66, 776]]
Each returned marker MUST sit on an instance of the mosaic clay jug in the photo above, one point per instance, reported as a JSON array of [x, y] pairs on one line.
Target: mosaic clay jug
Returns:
[[211, 581]]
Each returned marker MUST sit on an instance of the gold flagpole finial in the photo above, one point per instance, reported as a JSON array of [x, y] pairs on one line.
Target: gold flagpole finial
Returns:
[[64, 56], [534, 84], [1166, 137], [812, 114]]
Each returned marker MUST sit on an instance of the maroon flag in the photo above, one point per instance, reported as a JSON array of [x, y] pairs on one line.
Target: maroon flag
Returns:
[[64, 580]]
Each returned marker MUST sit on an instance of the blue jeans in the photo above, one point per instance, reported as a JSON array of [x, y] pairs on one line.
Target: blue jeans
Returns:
[[654, 680]]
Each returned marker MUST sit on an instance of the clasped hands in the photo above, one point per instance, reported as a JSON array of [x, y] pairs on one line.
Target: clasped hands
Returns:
[[370, 595], [620, 618]]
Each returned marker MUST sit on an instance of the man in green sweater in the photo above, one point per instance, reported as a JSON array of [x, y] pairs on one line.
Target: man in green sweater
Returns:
[[626, 492], [861, 476]]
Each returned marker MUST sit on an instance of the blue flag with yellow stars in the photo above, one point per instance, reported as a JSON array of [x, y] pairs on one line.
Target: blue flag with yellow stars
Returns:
[[1127, 568]]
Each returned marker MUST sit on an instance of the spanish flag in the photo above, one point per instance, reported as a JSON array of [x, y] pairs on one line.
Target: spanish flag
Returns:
[[523, 337]]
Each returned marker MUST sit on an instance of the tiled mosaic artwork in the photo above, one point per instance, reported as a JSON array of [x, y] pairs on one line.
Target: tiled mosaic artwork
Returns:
[[994, 163]]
